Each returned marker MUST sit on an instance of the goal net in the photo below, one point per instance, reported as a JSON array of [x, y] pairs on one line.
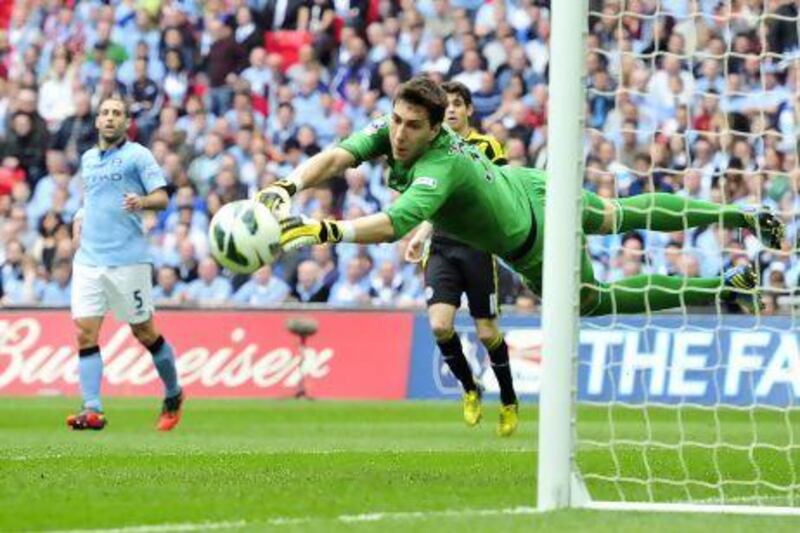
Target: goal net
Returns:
[[695, 408]]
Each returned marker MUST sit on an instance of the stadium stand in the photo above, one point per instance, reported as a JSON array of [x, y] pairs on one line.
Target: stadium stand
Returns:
[[233, 95]]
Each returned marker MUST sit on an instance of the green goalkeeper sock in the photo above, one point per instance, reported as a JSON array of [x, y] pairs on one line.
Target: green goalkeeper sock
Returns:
[[652, 293], [669, 212]]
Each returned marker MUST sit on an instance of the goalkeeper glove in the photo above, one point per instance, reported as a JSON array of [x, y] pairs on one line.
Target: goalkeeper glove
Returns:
[[297, 232], [278, 198]]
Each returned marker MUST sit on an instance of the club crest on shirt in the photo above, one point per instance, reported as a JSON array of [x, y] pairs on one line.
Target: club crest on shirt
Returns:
[[375, 126], [428, 293], [152, 172]]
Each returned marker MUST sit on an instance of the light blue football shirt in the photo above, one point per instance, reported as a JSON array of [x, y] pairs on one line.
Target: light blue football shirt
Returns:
[[111, 236]]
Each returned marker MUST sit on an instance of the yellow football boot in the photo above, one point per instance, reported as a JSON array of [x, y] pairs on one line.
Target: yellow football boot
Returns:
[[472, 407], [509, 420]]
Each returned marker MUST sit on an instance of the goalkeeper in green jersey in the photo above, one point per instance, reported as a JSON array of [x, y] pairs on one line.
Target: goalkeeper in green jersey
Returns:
[[500, 210]]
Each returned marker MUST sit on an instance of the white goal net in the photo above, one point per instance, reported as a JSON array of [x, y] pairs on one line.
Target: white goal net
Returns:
[[696, 98]]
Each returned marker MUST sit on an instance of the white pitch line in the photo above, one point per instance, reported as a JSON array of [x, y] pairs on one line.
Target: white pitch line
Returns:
[[376, 517], [161, 528], [282, 521], [249, 453]]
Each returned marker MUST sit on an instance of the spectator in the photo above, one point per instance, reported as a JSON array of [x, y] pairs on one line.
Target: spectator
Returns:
[[262, 290], [307, 104], [146, 100], [140, 32], [323, 256], [51, 230], [352, 289], [25, 289], [321, 21], [22, 145], [26, 102], [356, 68], [283, 127], [57, 292], [247, 35], [358, 194], [225, 58], [487, 98], [77, 132], [386, 286], [209, 289], [57, 177], [56, 101], [178, 36], [18, 225], [169, 289], [281, 14], [228, 187], [310, 287], [204, 168], [188, 265], [471, 71], [258, 74], [11, 271], [176, 78]]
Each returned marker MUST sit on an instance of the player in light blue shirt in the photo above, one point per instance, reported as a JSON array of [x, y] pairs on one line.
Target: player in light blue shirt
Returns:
[[112, 267], [111, 233]]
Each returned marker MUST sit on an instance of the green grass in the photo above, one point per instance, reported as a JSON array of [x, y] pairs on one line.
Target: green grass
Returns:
[[304, 466]]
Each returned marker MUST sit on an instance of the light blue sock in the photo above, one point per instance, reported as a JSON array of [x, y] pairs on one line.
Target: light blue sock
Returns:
[[164, 359], [90, 369]]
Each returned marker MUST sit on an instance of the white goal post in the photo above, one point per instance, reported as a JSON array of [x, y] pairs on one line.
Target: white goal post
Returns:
[[561, 265], [561, 483]]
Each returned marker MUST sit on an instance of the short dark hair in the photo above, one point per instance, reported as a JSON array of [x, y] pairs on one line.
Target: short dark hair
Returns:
[[118, 97], [424, 92], [456, 87]]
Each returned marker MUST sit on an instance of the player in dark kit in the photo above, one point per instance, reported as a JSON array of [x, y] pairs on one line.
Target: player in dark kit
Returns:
[[452, 268]]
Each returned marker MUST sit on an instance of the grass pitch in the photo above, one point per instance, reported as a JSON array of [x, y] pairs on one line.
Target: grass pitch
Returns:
[[247, 465]]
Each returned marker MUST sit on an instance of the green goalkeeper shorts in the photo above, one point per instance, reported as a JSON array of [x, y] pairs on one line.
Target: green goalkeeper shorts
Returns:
[[531, 265]]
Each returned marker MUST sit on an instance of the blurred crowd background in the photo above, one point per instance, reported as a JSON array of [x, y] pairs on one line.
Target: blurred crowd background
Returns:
[[694, 97]]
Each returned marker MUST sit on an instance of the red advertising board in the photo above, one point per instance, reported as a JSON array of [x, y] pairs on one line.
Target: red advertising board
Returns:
[[226, 353]]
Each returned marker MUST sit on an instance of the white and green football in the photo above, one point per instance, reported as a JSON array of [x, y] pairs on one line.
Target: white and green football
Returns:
[[244, 236]]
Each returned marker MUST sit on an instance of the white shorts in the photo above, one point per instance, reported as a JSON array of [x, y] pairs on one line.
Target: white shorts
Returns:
[[125, 290]]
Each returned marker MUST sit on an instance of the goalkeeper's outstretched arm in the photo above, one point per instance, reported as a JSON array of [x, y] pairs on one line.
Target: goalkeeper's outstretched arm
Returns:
[[297, 232], [315, 170]]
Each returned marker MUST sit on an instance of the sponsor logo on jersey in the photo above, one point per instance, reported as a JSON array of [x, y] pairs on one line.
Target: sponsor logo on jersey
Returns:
[[96, 178], [425, 181]]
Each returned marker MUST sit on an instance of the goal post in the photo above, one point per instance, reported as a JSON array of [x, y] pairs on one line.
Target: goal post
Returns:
[[561, 259], [676, 415]]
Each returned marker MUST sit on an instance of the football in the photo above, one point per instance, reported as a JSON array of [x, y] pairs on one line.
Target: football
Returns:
[[244, 236]]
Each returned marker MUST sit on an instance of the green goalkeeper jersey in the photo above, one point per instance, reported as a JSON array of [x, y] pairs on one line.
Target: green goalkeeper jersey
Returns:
[[454, 186]]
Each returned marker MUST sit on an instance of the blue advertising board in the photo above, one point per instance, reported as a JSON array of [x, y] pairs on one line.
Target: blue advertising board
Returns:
[[662, 359]]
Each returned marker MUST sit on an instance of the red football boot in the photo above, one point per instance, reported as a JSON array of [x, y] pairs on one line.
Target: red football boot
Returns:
[[87, 419], [171, 412]]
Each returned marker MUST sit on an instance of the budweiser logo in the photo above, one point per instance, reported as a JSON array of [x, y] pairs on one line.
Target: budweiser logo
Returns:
[[26, 359]]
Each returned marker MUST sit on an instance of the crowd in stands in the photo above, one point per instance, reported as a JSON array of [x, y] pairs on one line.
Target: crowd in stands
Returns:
[[693, 97]]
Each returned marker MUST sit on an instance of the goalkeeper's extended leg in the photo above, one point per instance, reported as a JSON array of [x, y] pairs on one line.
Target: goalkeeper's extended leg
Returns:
[[669, 212], [647, 293]]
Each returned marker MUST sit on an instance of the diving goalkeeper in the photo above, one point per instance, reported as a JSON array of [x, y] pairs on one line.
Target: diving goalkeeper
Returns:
[[500, 210]]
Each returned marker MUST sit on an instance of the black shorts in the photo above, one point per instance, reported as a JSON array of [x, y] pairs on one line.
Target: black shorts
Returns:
[[454, 269]]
